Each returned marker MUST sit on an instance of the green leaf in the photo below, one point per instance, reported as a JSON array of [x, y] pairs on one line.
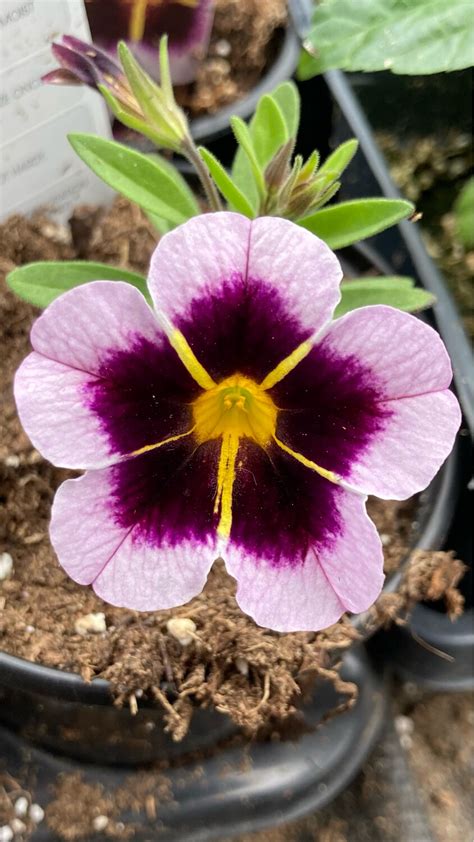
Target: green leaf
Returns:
[[426, 36], [42, 282], [394, 291], [180, 182], [287, 98], [229, 190], [259, 141], [340, 158], [268, 129], [348, 222], [140, 178], [162, 225], [464, 214], [246, 170]]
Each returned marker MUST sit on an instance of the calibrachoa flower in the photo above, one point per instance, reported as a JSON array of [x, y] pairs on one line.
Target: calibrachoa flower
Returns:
[[235, 419]]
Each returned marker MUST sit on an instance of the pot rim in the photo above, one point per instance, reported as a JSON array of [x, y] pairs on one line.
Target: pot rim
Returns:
[[209, 127]]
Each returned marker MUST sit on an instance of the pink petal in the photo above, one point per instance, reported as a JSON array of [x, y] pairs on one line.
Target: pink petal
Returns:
[[347, 576], [59, 424], [80, 325], [196, 259], [303, 268], [70, 339], [412, 372], [123, 571]]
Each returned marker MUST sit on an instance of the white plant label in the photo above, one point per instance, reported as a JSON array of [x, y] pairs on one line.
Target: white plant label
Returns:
[[38, 167]]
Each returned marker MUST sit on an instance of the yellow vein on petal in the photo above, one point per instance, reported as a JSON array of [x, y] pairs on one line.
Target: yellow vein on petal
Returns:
[[225, 483], [286, 365], [157, 444], [189, 360], [323, 472]]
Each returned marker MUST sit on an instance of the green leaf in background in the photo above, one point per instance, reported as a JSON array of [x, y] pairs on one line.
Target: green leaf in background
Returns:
[[162, 225], [348, 222], [142, 179], [287, 98], [464, 214], [267, 129], [246, 170], [338, 160], [265, 134], [404, 36], [229, 190], [394, 291], [42, 282]]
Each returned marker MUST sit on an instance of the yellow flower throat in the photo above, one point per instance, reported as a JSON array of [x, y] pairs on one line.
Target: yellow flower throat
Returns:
[[233, 409]]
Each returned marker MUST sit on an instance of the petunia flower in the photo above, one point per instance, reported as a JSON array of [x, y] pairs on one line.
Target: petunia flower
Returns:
[[235, 420]]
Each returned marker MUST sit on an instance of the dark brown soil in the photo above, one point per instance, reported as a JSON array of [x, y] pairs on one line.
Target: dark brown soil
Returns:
[[250, 673], [245, 36]]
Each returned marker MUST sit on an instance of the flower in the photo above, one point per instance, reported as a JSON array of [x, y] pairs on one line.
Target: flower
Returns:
[[235, 419], [132, 96], [86, 64]]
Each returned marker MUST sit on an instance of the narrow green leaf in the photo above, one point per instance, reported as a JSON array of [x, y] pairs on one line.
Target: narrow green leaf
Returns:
[[180, 182], [394, 291], [426, 36], [138, 177], [287, 98], [340, 158], [348, 222], [265, 134], [165, 74], [464, 214], [229, 190], [247, 172], [162, 225], [311, 166], [146, 91], [42, 282], [268, 129]]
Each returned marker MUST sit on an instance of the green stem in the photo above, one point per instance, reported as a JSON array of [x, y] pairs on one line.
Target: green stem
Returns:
[[190, 151]]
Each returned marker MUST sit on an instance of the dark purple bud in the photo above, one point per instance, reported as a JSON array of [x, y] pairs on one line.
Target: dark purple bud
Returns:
[[61, 76], [86, 64], [77, 64], [100, 59]]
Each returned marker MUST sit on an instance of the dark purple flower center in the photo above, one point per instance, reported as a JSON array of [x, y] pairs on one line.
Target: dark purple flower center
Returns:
[[330, 408]]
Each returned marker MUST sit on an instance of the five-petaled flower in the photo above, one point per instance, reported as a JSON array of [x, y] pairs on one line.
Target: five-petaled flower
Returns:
[[233, 420]]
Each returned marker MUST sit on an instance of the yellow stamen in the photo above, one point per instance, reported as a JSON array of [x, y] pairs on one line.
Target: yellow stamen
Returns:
[[285, 366], [148, 447], [225, 483], [238, 407], [323, 472], [190, 361]]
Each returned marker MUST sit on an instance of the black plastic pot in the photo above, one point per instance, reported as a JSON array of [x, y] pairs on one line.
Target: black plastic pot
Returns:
[[239, 788], [431, 650]]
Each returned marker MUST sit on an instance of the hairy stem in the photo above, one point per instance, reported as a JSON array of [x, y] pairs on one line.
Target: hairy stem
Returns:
[[210, 189]]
